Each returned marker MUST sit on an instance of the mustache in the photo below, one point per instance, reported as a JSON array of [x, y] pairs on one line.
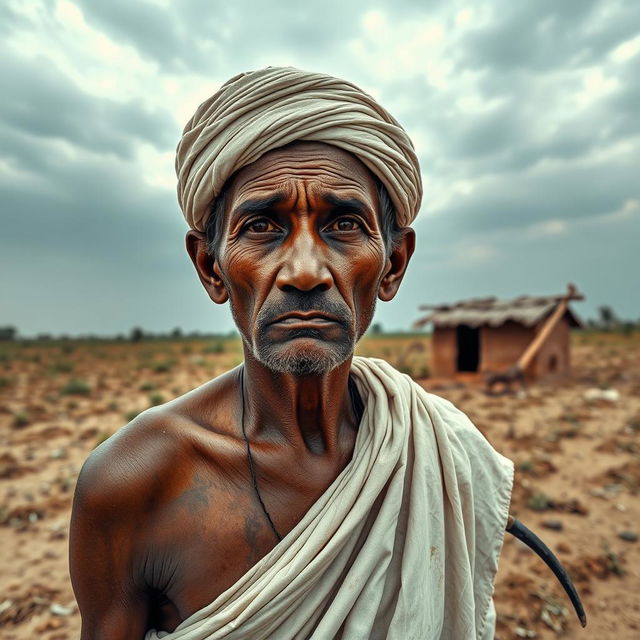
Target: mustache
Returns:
[[302, 301]]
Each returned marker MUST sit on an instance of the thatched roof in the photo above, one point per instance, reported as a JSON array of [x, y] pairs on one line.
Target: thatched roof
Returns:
[[525, 310]]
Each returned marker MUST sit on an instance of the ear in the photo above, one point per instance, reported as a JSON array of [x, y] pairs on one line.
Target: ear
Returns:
[[397, 264], [206, 265]]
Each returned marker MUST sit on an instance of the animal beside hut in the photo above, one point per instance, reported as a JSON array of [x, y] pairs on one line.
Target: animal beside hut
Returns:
[[505, 340]]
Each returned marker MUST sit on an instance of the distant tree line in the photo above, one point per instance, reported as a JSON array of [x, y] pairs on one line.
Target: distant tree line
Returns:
[[136, 334], [607, 320], [8, 333]]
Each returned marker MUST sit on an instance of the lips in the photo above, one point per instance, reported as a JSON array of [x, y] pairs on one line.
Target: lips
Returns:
[[306, 317]]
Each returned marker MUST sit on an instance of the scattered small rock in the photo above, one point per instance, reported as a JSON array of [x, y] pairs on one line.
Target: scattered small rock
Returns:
[[574, 506], [60, 610], [57, 531], [554, 616], [607, 492], [608, 395], [5, 606], [628, 536], [556, 525]]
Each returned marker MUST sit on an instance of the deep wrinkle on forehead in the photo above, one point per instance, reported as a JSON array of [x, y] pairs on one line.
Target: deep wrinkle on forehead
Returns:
[[319, 173]]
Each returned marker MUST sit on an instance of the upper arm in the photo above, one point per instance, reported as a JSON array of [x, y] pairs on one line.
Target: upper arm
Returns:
[[113, 601]]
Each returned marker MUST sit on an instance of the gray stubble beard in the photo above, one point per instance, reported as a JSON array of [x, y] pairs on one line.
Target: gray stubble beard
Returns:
[[300, 362]]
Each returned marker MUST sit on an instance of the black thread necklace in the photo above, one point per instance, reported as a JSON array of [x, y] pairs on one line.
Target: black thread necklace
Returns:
[[358, 409], [252, 468]]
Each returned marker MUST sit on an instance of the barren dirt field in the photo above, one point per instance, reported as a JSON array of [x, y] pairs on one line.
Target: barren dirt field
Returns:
[[577, 456]]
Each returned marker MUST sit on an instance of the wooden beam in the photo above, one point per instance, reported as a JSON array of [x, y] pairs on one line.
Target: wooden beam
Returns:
[[550, 323]]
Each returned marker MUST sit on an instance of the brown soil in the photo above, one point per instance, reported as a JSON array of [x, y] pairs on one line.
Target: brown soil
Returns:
[[577, 467]]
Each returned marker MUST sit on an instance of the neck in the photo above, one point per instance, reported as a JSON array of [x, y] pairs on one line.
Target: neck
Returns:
[[312, 412]]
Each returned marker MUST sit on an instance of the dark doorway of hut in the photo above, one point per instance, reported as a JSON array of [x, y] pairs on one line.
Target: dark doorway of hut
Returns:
[[468, 343]]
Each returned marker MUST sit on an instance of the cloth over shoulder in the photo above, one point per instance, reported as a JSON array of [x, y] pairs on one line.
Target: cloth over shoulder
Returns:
[[403, 545]]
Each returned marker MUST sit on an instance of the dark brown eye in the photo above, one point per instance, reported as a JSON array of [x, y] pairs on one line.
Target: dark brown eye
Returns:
[[346, 224], [261, 226]]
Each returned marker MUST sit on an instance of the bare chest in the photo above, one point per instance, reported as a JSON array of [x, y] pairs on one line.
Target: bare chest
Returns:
[[212, 535]]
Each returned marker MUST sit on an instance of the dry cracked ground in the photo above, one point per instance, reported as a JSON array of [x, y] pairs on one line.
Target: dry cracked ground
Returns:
[[576, 446]]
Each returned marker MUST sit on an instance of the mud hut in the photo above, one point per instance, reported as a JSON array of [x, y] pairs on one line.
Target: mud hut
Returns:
[[487, 335]]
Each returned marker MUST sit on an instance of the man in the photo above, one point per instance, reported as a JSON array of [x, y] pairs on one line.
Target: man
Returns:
[[306, 493]]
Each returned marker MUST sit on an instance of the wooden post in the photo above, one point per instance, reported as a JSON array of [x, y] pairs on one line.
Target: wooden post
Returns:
[[547, 328]]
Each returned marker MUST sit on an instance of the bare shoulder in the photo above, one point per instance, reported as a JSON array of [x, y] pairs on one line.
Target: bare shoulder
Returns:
[[136, 467], [128, 499], [123, 469]]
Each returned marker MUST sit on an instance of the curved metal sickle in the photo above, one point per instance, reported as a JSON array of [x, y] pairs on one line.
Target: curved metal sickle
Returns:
[[517, 529]]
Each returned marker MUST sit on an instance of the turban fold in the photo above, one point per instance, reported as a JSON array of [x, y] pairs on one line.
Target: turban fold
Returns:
[[262, 110]]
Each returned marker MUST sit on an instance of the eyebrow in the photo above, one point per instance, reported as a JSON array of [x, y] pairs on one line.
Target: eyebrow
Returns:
[[259, 205], [265, 205], [347, 205]]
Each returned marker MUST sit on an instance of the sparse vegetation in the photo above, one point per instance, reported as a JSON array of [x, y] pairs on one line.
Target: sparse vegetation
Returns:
[[21, 419], [215, 347], [577, 461], [538, 501], [5, 381], [156, 399], [612, 560], [164, 366], [61, 366], [76, 387], [526, 466], [572, 428]]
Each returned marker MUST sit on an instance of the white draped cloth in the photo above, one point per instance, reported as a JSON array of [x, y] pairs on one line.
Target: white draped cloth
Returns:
[[403, 545]]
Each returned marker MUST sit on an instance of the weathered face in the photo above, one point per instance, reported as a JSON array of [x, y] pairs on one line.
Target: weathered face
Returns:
[[302, 257]]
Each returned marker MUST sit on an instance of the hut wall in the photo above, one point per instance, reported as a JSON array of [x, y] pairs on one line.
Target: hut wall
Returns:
[[443, 351], [553, 359], [500, 347]]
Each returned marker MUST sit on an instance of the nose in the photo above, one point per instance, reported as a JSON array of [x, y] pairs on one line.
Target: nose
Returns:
[[304, 266]]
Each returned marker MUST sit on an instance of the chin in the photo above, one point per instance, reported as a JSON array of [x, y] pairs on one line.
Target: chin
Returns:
[[304, 359]]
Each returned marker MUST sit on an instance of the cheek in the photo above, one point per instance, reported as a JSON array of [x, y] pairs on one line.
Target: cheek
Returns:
[[243, 274], [374, 253], [239, 259], [364, 274]]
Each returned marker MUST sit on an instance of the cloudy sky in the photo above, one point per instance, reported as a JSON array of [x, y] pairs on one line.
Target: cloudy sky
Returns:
[[525, 115]]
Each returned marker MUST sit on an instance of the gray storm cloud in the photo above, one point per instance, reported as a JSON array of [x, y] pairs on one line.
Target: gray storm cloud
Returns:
[[524, 116]]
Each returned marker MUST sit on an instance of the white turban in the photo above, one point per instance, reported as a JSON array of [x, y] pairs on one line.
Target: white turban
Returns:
[[262, 110]]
